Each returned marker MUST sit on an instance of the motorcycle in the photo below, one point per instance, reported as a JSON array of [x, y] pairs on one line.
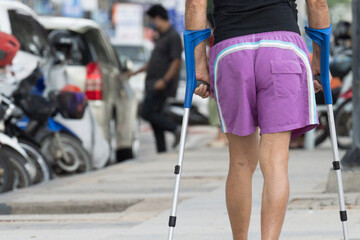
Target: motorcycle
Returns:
[[60, 144], [31, 147]]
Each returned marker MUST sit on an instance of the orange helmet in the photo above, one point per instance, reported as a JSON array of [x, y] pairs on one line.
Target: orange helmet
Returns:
[[71, 88]]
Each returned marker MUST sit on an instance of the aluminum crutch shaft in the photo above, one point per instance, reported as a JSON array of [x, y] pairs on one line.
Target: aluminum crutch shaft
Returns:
[[191, 40], [178, 171], [322, 38]]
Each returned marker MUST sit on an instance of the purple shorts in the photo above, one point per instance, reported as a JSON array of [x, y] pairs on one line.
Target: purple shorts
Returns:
[[263, 80]]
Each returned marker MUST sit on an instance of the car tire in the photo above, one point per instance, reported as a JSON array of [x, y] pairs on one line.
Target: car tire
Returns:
[[132, 152]]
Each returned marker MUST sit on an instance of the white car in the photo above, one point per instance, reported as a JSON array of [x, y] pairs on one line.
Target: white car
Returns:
[[97, 72]]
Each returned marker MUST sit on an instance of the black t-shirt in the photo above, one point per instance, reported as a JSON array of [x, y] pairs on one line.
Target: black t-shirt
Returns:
[[235, 18], [167, 48]]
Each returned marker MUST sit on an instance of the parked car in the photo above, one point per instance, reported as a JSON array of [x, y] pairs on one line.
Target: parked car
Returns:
[[98, 73], [35, 51], [137, 54]]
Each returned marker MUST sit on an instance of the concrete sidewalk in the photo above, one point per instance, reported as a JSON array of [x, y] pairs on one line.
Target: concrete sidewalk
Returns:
[[132, 200]]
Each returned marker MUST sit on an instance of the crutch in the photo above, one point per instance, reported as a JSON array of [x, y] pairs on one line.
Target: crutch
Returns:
[[191, 40], [322, 38]]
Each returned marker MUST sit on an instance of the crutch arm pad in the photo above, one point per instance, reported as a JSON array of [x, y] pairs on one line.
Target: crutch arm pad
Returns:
[[191, 40], [322, 38]]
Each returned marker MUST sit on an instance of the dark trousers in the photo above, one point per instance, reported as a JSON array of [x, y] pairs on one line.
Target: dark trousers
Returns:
[[152, 111]]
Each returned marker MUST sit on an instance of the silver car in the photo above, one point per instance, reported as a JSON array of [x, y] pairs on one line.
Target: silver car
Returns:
[[97, 71]]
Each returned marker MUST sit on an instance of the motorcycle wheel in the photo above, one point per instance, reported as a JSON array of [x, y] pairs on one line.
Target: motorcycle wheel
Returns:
[[343, 124], [322, 131], [6, 174], [43, 170], [18, 165], [78, 160]]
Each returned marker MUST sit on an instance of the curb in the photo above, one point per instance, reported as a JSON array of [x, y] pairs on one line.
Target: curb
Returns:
[[69, 207]]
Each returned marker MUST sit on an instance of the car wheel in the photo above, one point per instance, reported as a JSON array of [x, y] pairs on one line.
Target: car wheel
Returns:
[[132, 152]]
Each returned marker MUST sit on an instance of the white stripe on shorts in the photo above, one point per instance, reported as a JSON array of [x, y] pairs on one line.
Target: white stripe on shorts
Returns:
[[273, 44]]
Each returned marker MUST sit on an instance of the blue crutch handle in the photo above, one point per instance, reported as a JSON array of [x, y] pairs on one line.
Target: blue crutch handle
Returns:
[[191, 40], [322, 38]]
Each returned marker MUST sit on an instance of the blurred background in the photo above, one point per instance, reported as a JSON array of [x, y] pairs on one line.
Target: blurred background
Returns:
[[69, 105], [106, 13], [89, 50]]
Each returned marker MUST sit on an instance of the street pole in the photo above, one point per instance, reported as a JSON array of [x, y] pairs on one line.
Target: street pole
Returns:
[[352, 157]]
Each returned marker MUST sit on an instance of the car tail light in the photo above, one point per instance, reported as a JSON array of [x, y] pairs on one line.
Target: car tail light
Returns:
[[93, 88]]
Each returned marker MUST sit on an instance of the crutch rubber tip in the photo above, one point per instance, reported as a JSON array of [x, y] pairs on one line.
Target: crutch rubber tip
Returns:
[[343, 216], [336, 165], [172, 221], [177, 169]]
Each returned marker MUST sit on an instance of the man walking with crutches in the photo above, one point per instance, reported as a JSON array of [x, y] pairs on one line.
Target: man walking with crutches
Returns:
[[260, 77]]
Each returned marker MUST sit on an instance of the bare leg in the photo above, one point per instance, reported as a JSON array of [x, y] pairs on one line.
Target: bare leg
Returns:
[[273, 157], [243, 162]]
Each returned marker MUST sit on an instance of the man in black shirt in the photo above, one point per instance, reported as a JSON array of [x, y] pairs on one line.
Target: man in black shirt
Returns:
[[260, 77], [162, 77]]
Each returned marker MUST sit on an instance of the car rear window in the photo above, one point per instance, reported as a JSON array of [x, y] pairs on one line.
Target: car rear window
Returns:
[[91, 46], [135, 53], [97, 46], [80, 53]]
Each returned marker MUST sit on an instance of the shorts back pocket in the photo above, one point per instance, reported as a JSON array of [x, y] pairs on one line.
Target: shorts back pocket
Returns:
[[286, 76]]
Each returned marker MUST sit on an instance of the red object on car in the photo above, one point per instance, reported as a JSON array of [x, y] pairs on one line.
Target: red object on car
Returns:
[[93, 86], [9, 46], [71, 102], [71, 88]]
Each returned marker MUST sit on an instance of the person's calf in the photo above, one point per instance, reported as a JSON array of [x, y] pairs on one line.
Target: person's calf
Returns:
[[239, 203], [243, 162], [273, 157], [273, 209]]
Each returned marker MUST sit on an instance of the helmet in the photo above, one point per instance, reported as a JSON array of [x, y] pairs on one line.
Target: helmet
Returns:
[[71, 88], [342, 31], [9, 46], [61, 40], [71, 102]]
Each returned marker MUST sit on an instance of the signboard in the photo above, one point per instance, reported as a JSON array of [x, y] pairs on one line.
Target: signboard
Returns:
[[128, 21], [89, 5], [179, 20], [72, 8]]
